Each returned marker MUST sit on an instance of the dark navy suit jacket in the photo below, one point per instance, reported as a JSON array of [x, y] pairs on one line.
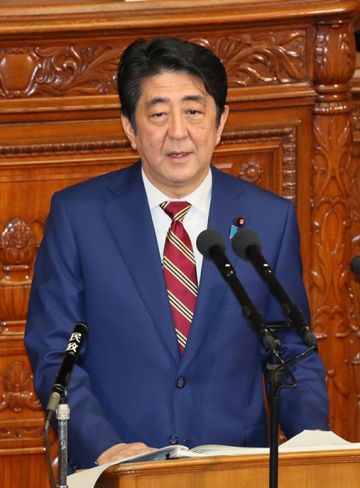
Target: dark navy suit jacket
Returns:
[[99, 262]]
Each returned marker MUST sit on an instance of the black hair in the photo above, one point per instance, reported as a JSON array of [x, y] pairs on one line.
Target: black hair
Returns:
[[143, 59]]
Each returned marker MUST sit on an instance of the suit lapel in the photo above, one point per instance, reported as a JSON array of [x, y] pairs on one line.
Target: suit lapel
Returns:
[[224, 205], [131, 224], [129, 217]]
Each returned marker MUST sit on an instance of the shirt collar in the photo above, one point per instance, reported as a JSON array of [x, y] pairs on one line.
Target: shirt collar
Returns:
[[199, 198]]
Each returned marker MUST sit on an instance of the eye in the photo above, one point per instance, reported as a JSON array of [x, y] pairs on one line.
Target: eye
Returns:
[[157, 115], [194, 114]]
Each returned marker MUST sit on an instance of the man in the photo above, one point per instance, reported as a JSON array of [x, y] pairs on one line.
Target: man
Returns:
[[142, 380]]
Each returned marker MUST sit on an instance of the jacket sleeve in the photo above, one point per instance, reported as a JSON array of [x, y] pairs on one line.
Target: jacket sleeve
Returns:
[[56, 304]]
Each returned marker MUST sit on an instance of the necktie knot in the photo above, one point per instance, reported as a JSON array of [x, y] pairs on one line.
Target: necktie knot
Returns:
[[176, 210]]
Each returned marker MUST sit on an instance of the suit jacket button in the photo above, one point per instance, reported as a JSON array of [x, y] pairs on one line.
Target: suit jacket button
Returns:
[[173, 439], [180, 382]]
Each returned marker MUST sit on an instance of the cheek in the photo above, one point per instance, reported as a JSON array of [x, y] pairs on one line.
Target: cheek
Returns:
[[206, 133], [206, 139], [150, 140]]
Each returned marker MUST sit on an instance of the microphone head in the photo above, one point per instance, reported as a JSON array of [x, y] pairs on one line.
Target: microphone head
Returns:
[[81, 327], [242, 240], [207, 239], [355, 265]]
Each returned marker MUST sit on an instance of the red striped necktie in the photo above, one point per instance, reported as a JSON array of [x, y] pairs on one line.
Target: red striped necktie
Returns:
[[180, 271]]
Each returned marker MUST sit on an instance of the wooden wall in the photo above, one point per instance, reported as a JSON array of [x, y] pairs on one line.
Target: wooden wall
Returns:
[[290, 65]]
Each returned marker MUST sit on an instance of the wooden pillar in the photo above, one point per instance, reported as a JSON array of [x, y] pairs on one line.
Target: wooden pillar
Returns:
[[331, 300]]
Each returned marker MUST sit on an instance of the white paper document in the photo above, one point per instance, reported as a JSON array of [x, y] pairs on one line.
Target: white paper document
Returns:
[[308, 440]]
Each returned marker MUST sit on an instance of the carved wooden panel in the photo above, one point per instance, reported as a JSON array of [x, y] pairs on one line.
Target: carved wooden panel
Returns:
[[42, 71], [264, 157], [289, 66], [252, 58], [257, 57], [355, 233], [330, 290]]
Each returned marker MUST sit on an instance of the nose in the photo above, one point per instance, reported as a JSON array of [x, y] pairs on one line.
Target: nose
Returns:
[[177, 128]]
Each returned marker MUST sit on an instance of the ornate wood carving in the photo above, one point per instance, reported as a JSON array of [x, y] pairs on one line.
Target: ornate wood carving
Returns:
[[251, 59], [355, 281], [21, 432], [261, 58], [17, 396], [17, 253], [17, 246], [288, 66], [331, 227], [335, 59], [356, 365], [26, 150], [16, 390], [252, 168], [58, 70]]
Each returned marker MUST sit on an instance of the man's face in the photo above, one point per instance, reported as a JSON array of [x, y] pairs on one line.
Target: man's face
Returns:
[[176, 131]]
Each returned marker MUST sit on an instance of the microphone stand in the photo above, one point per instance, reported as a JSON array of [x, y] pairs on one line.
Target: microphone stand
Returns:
[[63, 416], [57, 403], [274, 373], [211, 246], [275, 369]]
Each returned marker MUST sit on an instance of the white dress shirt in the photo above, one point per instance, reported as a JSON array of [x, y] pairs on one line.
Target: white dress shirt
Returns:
[[195, 221]]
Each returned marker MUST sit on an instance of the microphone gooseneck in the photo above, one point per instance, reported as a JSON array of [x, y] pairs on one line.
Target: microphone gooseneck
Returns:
[[211, 245], [247, 245]]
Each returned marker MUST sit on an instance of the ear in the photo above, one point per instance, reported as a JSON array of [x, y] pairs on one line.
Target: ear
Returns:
[[129, 131], [223, 119]]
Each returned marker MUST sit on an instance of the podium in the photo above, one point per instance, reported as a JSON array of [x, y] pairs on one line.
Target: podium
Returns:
[[327, 469]]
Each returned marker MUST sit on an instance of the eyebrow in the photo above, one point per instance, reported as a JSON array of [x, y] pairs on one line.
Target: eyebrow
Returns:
[[187, 98]]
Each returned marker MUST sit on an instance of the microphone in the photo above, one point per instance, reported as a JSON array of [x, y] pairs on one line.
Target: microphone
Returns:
[[71, 354], [211, 245], [355, 265], [246, 244]]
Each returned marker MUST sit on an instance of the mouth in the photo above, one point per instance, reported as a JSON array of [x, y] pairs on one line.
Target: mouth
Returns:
[[178, 155]]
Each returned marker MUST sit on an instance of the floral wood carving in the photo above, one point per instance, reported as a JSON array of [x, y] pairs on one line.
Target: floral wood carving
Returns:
[[58, 71], [29, 433], [17, 244], [16, 389], [334, 67], [330, 288], [17, 253], [334, 54], [250, 59], [355, 282], [252, 170], [333, 317], [261, 58], [331, 221]]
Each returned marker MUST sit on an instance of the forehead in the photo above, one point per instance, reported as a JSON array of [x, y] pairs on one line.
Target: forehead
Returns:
[[171, 87]]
